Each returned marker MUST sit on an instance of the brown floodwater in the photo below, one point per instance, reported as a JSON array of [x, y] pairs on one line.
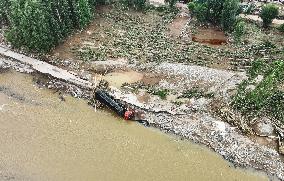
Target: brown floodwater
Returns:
[[43, 138], [210, 36]]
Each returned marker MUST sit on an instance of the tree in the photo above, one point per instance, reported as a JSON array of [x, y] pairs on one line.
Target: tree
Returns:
[[214, 11], [229, 14], [268, 13], [217, 12], [4, 9], [39, 25]]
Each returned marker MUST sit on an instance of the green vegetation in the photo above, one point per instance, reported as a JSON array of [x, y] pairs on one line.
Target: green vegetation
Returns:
[[217, 12], [281, 28], [199, 10], [4, 9], [239, 31], [262, 96], [268, 13], [249, 9], [39, 25], [229, 14], [136, 4], [161, 93]]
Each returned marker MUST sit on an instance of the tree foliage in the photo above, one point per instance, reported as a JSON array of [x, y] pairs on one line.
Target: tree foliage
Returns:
[[229, 14], [268, 13], [4, 9], [217, 12], [41, 24]]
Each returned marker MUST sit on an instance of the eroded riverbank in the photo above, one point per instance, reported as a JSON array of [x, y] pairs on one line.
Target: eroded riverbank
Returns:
[[44, 138]]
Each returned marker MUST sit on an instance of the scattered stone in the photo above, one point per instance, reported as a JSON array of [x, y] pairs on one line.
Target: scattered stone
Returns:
[[258, 79], [250, 88], [264, 127]]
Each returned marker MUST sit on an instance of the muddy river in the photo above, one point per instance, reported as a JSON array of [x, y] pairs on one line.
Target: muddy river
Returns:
[[44, 138]]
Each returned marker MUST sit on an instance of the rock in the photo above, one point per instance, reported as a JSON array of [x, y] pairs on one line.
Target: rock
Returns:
[[264, 127], [250, 88], [3, 66], [258, 79], [281, 149], [67, 62]]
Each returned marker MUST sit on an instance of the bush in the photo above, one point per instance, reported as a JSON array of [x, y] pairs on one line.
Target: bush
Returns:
[[229, 14], [136, 4], [214, 11], [191, 6], [281, 28], [250, 9], [239, 30], [268, 13]]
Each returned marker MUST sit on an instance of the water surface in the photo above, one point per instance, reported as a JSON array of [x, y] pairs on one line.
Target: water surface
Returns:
[[44, 138]]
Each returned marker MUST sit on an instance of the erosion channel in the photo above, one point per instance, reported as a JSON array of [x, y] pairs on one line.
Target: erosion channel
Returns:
[[45, 138]]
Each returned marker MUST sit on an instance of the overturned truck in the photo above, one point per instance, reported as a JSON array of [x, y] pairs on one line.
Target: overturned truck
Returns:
[[121, 109]]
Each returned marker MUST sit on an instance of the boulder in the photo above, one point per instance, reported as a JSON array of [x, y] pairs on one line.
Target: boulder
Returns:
[[264, 127]]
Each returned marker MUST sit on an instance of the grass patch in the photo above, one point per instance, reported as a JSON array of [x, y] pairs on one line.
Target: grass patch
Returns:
[[196, 93], [161, 93], [265, 97]]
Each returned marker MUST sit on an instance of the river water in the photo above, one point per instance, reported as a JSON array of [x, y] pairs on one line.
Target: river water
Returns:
[[44, 138]]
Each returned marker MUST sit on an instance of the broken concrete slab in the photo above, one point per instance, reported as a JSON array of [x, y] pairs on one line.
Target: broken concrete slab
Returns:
[[46, 68]]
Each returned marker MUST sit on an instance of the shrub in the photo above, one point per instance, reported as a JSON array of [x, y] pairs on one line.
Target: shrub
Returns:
[[139, 4], [136, 4], [214, 10], [229, 14], [239, 30], [199, 10], [268, 13], [250, 9], [281, 28], [191, 6], [161, 93]]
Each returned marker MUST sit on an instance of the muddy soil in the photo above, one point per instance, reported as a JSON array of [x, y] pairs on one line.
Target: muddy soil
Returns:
[[210, 36]]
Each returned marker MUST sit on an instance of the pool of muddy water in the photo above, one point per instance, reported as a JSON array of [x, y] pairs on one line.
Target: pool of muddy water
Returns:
[[44, 138], [210, 36]]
